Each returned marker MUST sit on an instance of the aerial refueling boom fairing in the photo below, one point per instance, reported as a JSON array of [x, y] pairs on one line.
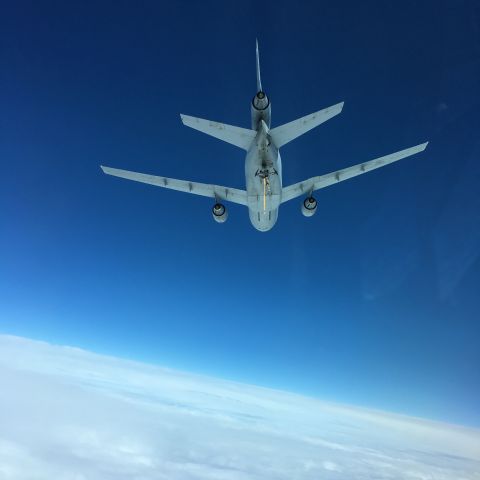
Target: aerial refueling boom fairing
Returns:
[[263, 166]]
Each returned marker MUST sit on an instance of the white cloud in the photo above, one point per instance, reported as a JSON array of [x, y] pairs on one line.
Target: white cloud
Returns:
[[333, 467], [69, 414]]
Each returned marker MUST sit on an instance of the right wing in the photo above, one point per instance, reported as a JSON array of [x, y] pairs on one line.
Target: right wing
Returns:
[[315, 183], [213, 191]]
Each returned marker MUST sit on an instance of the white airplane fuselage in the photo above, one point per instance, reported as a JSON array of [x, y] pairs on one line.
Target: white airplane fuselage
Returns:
[[263, 170]]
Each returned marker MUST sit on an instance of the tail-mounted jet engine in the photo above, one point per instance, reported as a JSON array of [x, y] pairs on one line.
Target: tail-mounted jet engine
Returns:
[[260, 101], [309, 207], [220, 213]]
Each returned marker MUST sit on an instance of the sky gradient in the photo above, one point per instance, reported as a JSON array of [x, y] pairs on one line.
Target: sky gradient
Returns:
[[374, 301]]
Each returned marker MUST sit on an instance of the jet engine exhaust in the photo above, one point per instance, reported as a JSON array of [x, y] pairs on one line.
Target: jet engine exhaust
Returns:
[[309, 207], [220, 213], [260, 101]]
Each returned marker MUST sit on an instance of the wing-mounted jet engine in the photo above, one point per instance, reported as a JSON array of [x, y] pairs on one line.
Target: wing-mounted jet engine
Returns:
[[309, 207], [220, 213]]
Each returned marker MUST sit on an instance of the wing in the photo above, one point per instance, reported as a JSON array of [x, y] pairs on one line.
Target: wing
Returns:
[[315, 183], [213, 191]]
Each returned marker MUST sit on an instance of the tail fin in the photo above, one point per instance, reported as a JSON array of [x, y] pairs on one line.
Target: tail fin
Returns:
[[240, 137], [289, 131], [259, 79]]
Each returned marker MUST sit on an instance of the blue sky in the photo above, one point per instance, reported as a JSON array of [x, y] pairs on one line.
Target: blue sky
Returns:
[[374, 301]]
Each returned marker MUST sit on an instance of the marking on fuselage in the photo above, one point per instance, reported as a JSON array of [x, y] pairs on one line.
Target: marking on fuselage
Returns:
[[264, 193]]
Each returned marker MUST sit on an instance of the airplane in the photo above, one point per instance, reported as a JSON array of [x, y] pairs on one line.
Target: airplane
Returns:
[[263, 166]]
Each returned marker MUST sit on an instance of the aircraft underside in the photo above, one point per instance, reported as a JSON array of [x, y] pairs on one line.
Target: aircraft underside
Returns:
[[264, 191]]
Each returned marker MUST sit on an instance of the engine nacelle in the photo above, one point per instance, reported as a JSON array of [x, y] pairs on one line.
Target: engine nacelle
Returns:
[[220, 213], [260, 101], [309, 207], [261, 110]]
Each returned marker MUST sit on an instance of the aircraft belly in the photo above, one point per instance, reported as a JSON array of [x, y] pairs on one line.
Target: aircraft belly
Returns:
[[263, 172], [263, 208], [263, 220]]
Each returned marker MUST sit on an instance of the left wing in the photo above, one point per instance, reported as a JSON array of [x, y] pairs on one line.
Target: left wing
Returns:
[[315, 183], [213, 191]]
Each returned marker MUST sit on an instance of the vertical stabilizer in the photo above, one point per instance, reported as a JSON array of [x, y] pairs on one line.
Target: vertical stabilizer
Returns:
[[260, 102], [259, 79]]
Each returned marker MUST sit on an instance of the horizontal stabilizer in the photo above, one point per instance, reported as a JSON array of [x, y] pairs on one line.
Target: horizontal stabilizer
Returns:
[[315, 183], [289, 131], [214, 191], [240, 137]]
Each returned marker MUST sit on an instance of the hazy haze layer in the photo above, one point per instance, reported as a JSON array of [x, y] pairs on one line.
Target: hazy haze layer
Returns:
[[66, 413]]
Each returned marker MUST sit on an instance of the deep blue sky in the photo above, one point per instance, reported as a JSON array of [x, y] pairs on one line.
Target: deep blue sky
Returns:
[[374, 301]]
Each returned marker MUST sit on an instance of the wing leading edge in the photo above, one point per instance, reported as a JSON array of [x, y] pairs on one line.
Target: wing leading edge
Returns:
[[315, 183], [213, 191]]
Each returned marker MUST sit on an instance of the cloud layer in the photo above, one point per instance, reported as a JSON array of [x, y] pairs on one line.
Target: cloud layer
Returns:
[[70, 414]]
